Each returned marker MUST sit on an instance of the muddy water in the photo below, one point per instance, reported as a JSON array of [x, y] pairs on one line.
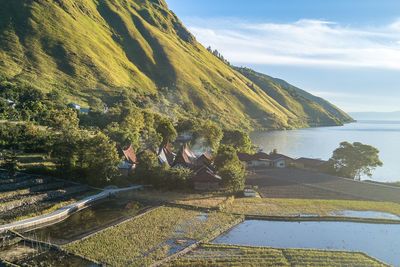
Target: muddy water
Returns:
[[86, 221], [381, 241]]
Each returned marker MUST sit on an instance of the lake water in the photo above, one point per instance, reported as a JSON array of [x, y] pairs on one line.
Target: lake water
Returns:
[[377, 240], [322, 141]]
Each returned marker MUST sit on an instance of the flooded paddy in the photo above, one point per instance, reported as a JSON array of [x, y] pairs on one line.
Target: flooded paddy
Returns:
[[381, 241], [86, 221]]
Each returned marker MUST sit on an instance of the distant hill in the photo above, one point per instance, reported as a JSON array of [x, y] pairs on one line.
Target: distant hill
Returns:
[[91, 50], [384, 116]]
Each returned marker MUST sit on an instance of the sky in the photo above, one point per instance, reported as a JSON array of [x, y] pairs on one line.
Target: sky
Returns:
[[346, 51]]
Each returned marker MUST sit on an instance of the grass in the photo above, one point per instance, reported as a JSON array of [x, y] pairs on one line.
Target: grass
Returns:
[[145, 239], [196, 200], [229, 255], [294, 207]]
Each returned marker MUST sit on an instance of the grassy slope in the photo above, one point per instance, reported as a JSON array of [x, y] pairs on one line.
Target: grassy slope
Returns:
[[93, 48], [306, 106]]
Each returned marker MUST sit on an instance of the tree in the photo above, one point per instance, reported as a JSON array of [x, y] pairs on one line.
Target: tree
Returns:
[[355, 160], [91, 157], [239, 140], [211, 133], [167, 130], [226, 155], [9, 161], [230, 168], [233, 176]]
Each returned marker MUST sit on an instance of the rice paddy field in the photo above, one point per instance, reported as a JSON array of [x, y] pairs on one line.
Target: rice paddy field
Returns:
[[227, 255], [296, 207], [151, 237], [24, 196]]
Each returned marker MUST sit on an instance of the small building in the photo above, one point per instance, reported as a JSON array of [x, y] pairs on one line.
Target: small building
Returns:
[[204, 160], [206, 180], [185, 158], [257, 160], [128, 165], [309, 163], [280, 161], [166, 155]]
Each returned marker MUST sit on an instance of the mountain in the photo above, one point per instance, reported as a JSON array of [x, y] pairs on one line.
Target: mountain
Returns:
[[379, 116], [91, 50], [308, 108]]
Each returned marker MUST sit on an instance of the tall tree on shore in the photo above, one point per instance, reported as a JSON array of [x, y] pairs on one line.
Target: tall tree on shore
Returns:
[[355, 160]]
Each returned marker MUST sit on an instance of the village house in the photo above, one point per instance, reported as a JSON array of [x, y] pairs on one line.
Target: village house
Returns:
[[205, 179], [255, 161], [309, 163], [185, 158], [166, 155], [280, 161], [127, 166], [264, 160]]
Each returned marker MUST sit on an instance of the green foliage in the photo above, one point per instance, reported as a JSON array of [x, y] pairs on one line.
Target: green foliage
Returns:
[[210, 132], [240, 140], [167, 130], [149, 171], [230, 168], [9, 161], [355, 160], [25, 136], [90, 157]]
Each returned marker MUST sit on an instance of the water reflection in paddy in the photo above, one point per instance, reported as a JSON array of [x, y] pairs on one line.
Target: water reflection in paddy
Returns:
[[381, 241]]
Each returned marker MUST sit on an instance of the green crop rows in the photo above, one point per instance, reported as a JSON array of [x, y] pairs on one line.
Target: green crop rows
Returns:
[[227, 255]]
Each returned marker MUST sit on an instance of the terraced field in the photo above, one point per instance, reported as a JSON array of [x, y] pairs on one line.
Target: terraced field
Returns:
[[151, 237], [226, 255], [29, 195]]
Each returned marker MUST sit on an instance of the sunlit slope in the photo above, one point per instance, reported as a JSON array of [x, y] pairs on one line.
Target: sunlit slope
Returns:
[[311, 109], [97, 48]]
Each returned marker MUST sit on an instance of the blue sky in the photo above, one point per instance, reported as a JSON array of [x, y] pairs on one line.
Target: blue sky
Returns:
[[345, 51]]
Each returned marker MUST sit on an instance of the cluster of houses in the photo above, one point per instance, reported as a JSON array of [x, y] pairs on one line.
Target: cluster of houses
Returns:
[[277, 160], [204, 177]]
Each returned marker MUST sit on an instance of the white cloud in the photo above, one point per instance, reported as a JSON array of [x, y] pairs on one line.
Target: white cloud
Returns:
[[305, 42]]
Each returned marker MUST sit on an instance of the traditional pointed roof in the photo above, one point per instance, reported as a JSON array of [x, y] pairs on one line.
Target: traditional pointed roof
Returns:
[[205, 175], [130, 154], [185, 157], [204, 159]]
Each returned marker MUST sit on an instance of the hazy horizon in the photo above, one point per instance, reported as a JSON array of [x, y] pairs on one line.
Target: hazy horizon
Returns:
[[349, 58]]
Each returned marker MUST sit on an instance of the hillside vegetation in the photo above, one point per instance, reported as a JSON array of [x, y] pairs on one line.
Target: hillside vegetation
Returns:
[[95, 50]]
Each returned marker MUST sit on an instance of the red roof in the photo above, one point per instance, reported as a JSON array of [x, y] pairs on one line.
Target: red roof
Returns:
[[185, 157], [130, 155]]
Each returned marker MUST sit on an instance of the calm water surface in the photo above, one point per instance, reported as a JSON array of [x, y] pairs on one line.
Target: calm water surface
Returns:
[[381, 241], [321, 142]]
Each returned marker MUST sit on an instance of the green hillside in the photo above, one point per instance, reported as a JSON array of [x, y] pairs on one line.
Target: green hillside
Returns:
[[311, 109], [91, 50]]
